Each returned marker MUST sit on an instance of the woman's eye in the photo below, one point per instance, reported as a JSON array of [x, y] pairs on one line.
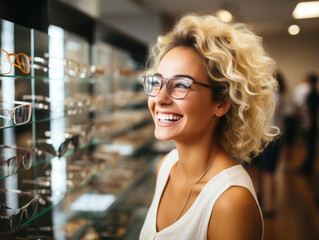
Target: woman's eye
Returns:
[[156, 84], [182, 84]]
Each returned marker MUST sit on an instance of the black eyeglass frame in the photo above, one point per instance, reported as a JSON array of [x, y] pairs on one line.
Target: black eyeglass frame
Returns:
[[166, 80], [64, 146]]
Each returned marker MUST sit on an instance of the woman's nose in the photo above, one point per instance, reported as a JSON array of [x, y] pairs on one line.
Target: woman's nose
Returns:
[[163, 97]]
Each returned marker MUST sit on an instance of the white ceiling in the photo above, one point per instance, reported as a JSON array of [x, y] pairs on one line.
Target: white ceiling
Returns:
[[264, 16]]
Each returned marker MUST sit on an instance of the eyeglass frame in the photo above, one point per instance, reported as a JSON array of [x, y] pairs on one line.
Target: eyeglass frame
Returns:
[[20, 158], [74, 140], [23, 193], [166, 80], [13, 63], [22, 209], [83, 70], [12, 112]]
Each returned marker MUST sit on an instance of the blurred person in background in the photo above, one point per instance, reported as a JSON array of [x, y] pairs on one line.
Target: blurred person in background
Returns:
[[309, 112], [267, 161], [211, 90]]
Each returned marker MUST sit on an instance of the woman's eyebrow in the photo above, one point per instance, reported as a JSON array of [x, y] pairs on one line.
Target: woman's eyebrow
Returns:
[[184, 76], [177, 75], [158, 74]]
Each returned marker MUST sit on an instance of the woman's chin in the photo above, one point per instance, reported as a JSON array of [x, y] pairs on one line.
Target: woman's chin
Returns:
[[162, 136]]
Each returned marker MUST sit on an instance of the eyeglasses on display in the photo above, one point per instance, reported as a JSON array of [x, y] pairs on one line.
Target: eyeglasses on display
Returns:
[[23, 62], [45, 195], [45, 181], [20, 114], [81, 70], [40, 102], [28, 211], [12, 164], [73, 68], [71, 105], [177, 87], [85, 134], [31, 193], [63, 148], [65, 145]]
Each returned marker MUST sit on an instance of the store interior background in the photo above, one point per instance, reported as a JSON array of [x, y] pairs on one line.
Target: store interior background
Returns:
[[297, 216], [295, 55]]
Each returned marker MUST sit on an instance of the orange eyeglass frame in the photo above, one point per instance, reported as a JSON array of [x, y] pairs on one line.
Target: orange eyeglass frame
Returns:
[[13, 63]]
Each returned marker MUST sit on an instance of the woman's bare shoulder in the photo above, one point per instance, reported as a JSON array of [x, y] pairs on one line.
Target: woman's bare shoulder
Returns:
[[235, 216]]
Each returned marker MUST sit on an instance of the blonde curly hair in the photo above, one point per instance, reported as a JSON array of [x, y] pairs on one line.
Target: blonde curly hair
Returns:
[[239, 69]]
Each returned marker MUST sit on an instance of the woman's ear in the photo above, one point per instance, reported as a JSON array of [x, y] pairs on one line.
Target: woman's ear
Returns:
[[222, 107]]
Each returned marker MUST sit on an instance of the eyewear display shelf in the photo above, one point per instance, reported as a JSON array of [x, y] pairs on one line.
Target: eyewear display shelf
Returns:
[[74, 165]]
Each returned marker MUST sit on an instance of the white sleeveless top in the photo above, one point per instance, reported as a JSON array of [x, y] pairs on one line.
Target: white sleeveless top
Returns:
[[193, 225]]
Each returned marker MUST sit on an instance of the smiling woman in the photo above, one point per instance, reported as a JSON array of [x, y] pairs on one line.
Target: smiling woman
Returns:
[[211, 90]]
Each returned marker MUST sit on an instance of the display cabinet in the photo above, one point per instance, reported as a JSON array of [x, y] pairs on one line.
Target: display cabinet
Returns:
[[74, 140]]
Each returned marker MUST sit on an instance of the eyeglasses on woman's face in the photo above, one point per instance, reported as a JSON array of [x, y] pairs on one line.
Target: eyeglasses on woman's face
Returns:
[[22, 62], [177, 87]]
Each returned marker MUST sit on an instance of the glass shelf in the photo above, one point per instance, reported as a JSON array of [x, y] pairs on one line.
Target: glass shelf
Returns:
[[92, 142], [108, 132], [86, 188]]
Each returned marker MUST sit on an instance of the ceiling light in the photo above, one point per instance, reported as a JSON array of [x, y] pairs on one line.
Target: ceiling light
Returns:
[[224, 15], [294, 29], [306, 10]]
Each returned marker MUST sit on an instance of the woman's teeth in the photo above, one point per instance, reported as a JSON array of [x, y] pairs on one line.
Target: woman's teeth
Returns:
[[168, 117]]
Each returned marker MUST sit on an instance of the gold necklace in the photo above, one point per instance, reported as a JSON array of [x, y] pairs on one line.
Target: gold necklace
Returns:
[[190, 190]]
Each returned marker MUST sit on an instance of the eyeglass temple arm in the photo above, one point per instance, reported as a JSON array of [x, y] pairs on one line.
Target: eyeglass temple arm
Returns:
[[5, 207], [1, 116], [19, 148], [203, 84], [16, 102]]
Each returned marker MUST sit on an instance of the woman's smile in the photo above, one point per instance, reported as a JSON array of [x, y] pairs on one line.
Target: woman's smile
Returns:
[[168, 117]]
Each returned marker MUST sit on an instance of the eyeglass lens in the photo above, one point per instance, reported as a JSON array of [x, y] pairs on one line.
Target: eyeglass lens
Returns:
[[63, 148], [75, 142], [4, 117], [9, 161], [176, 87], [11, 165], [65, 145], [23, 62], [27, 159], [7, 60], [22, 114]]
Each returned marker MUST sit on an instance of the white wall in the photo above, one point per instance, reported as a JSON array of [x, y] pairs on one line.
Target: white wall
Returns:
[[145, 27], [295, 55]]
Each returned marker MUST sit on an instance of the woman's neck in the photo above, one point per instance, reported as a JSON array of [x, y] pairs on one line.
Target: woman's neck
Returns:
[[194, 158]]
